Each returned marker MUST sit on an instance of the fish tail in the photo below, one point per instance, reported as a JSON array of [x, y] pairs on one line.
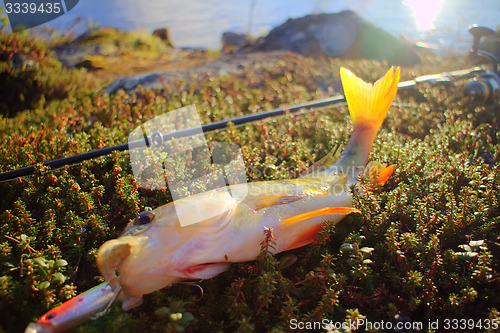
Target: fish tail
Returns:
[[368, 104]]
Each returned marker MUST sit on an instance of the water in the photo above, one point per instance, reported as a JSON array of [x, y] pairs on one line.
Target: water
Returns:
[[200, 23]]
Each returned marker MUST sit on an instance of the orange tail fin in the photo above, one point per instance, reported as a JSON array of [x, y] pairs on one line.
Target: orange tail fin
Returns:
[[369, 103]]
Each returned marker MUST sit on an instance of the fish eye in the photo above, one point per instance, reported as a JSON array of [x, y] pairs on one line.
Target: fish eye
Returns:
[[50, 316], [144, 218]]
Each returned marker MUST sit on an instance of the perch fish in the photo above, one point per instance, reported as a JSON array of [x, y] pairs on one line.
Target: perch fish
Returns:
[[155, 251]]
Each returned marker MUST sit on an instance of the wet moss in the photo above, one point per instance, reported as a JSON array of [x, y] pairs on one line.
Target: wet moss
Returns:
[[426, 245]]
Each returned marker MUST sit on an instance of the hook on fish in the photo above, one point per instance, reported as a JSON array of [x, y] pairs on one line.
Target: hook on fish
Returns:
[[194, 284]]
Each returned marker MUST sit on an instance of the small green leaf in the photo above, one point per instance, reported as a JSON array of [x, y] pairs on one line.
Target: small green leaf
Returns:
[[466, 255], [176, 316], [352, 261], [163, 311], [465, 247], [41, 262], [187, 317], [477, 243], [347, 247], [44, 285], [60, 263], [58, 277], [367, 250]]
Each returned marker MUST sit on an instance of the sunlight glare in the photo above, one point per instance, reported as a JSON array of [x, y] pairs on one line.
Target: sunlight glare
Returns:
[[425, 11]]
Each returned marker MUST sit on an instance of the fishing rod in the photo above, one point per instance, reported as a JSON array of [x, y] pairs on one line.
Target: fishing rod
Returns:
[[487, 85], [484, 85]]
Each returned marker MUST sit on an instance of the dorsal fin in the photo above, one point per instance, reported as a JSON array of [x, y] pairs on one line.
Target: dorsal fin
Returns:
[[262, 201], [325, 161]]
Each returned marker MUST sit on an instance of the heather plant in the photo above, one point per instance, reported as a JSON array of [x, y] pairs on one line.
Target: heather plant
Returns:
[[425, 247], [31, 76]]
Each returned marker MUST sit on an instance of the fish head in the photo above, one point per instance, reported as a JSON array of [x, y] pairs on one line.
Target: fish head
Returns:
[[135, 262], [157, 250]]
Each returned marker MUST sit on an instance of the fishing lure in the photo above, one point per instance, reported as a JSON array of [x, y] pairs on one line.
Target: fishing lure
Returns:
[[155, 251]]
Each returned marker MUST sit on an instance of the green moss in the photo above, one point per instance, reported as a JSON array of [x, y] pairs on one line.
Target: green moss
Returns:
[[132, 41], [31, 76], [425, 247], [122, 53]]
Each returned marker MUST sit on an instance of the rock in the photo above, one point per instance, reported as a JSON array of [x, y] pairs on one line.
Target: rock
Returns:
[[72, 54], [232, 41], [164, 35], [343, 34], [491, 44]]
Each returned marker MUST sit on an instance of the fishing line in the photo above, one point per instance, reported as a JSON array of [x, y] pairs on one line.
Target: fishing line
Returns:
[[108, 306]]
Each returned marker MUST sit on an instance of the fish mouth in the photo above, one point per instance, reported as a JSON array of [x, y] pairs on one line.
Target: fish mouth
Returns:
[[111, 258], [138, 265]]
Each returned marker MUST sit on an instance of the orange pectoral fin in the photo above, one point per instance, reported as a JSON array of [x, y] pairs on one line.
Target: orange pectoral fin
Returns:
[[384, 175], [322, 211], [306, 237], [378, 173]]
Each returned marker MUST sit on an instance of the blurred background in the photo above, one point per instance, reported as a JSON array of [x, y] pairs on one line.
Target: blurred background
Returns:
[[440, 24]]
